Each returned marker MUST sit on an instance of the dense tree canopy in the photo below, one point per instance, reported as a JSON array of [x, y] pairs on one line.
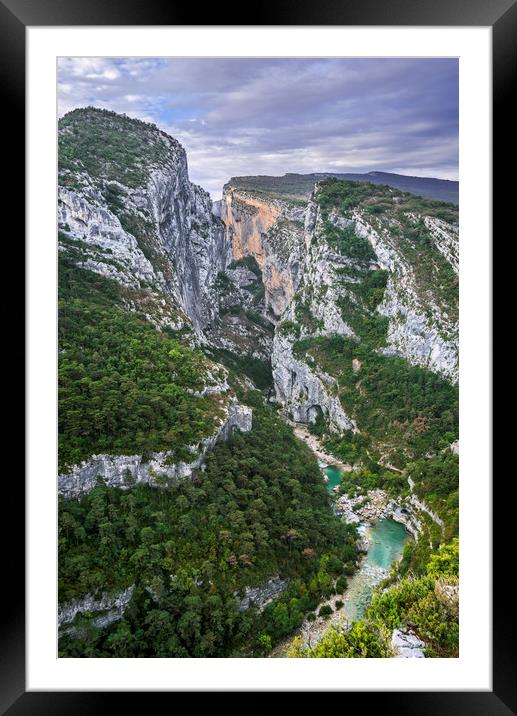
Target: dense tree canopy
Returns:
[[259, 509], [124, 387]]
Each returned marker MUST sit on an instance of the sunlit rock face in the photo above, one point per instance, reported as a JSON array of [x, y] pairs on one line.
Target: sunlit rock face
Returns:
[[422, 319], [271, 231]]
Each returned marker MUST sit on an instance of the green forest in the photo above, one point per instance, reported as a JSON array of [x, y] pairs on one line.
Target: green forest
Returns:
[[110, 146], [124, 387], [427, 599], [259, 509], [402, 410]]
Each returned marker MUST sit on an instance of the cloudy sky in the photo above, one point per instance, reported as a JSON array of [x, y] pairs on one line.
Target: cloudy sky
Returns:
[[272, 116]]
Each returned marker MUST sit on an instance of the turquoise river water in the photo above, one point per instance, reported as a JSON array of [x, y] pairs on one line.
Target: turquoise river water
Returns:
[[386, 541], [334, 477]]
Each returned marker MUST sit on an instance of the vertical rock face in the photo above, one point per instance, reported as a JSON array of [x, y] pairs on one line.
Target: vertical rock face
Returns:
[[138, 219], [128, 211], [422, 327], [271, 231], [247, 218], [113, 604], [300, 386], [309, 281], [193, 238], [422, 322], [304, 390], [154, 230]]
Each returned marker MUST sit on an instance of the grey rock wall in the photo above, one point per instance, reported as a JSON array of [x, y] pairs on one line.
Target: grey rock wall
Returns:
[[302, 390], [263, 595], [125, 471], [111, 603]]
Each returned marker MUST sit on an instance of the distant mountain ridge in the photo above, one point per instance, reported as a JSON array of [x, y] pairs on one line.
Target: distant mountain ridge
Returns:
[[302, 184], [193, 520]]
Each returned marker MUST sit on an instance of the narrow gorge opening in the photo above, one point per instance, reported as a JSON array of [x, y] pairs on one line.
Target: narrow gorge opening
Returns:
[[213, 368]]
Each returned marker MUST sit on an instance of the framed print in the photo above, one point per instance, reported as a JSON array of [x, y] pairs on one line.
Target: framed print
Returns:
[[259, 353]]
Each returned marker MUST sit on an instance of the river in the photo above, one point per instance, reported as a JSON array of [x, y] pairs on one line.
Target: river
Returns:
[[385, 542], [385, 539]]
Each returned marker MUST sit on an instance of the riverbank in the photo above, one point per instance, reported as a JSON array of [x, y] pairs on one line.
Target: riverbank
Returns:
[[301, 431], [384, 528], [312, 631], [377, 505], [386, 541]]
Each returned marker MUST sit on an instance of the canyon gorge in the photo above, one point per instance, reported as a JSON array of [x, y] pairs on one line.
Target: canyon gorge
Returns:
[[336, 310]]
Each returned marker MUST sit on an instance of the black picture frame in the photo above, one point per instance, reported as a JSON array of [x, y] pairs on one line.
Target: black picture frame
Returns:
[[15, 16]]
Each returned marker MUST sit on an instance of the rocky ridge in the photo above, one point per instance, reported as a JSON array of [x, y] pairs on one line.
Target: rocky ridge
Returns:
[[376, 505], [179, 265], [303, 390], [125, 471], [128, 211], [419, 329], [156, 231], [112, 606], [421, 332]]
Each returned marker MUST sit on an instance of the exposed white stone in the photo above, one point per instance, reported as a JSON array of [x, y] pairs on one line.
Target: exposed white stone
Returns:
[[420, 505], [124, 471], [446, 238], [115, 253], [377, 505], [302, 391], [407, 645], [411, 334], [241, 276], [264, 594], [114, 603], [192, 236], [423, 334], [188, 241]]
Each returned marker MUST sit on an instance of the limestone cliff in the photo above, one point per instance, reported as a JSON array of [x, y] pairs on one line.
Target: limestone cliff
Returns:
[[270, 230], [137, 216], [304, 390], [314, 285], [384, 279], [271, 275], [125, 471], [109, 606], [128, 211], [423, 324]]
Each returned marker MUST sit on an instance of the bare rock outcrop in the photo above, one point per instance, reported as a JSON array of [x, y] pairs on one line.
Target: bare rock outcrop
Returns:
[[125, 471], [271, 231]]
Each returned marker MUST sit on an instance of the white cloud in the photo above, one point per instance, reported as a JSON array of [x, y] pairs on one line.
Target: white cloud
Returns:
[[270, 116]]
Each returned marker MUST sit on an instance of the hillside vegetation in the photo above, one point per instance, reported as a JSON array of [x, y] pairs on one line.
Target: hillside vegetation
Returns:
[[429, 602], [300, 186], [259, 509], [162, 332]]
